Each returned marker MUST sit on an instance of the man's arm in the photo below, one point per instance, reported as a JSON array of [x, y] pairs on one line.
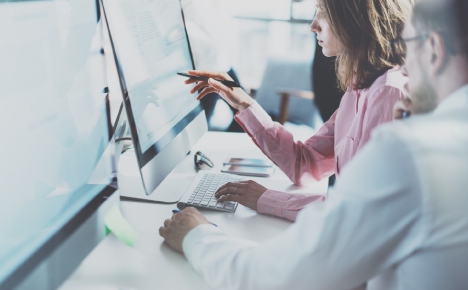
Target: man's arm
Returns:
[[371, 221]]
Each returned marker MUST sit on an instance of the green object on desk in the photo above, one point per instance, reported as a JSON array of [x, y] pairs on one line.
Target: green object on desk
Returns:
[[117, 224]]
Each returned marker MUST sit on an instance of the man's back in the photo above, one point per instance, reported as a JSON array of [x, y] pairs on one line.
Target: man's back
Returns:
[[438, 143], [396, 219]]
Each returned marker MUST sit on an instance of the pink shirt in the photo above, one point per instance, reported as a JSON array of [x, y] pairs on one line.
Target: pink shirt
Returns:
[[330, 149]]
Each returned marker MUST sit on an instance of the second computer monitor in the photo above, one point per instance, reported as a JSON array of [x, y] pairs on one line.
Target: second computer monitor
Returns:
[[57, 175], [151, 45]]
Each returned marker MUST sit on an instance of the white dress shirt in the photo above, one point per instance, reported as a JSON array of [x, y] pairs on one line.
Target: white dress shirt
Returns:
[[397, 218]]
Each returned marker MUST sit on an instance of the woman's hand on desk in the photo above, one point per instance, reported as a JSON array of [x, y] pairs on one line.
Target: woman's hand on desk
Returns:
[[175, 229], [236, 97], [246, 193]]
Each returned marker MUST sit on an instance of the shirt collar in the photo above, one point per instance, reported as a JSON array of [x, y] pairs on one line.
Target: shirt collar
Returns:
[[454, 101]]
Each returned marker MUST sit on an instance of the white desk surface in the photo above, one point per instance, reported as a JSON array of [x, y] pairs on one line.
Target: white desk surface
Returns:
[[151, 264]]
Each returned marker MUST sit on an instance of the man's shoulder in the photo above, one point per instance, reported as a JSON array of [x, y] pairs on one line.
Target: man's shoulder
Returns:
[[407, 130], [425, 133]]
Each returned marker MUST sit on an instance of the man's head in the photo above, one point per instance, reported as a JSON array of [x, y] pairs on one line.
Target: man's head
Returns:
[[436, 62]]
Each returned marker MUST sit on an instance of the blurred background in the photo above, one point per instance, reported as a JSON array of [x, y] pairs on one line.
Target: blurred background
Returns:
[[270, 29]]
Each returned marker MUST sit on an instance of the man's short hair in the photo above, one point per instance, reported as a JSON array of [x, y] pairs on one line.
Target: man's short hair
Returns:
[[447, 17]]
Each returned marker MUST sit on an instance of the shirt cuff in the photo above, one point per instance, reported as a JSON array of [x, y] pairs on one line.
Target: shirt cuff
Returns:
[[272, 202], [254, 119], [189, 244]]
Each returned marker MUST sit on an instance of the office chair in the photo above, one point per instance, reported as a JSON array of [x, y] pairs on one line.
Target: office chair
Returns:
[[285, 91]]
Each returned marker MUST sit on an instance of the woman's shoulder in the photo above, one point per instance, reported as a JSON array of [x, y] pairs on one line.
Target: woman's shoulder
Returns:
[[392, 80]]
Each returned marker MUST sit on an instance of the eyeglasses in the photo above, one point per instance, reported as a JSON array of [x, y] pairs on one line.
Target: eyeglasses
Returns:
[[202, 161], [398, 46]]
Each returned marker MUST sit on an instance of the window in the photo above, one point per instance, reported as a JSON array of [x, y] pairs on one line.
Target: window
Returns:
[[270, 28], [286, 10]]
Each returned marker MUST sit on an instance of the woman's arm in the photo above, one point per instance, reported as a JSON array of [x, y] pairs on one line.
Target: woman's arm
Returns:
[[312, 159], [381, 103], [285, 205]]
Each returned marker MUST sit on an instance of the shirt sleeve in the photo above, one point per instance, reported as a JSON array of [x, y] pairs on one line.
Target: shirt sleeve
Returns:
[[382, 103], [285, 205], [313, 158], [371, 222]]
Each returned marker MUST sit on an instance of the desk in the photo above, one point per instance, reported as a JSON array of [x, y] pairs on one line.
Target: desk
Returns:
[[151, 264]]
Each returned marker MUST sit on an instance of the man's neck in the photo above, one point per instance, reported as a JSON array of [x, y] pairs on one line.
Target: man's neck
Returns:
[[453, 78]]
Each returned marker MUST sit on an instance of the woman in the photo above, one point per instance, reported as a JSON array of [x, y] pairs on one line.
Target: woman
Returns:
[[357, 32]]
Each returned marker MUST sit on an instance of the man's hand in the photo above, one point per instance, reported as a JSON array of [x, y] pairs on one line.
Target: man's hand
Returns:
[[246, 193], [402, 109], [174, 230]]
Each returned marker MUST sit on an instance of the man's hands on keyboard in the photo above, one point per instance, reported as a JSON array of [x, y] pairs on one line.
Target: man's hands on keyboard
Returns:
[[246, 193]]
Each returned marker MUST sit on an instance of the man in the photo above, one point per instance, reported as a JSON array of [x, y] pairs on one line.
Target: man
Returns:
[[397, 217]]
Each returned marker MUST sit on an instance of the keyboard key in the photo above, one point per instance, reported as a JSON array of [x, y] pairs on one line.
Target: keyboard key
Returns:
[[229, 206]]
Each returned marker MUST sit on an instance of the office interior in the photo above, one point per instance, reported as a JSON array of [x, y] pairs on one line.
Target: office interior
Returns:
[[87, 183], [80, 183]]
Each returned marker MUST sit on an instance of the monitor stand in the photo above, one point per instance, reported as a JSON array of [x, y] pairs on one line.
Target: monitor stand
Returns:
[[131, 185]]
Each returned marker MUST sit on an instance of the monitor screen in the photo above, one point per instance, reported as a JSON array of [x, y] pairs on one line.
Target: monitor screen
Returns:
[[151, 45], [56, 156]]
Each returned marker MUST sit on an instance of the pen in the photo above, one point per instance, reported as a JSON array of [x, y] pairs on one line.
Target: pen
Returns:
[[176, 211], [230, 84]]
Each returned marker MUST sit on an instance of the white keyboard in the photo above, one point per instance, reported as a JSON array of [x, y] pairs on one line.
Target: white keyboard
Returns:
[[201, 191]]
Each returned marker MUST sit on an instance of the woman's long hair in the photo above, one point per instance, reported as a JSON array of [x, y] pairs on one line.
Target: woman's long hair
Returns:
[[364, 28]]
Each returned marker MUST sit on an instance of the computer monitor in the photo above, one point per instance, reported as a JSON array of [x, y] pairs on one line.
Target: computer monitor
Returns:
[[57, 171], [151, 45]]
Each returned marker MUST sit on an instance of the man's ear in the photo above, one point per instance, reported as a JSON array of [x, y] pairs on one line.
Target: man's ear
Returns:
[[438, 53]]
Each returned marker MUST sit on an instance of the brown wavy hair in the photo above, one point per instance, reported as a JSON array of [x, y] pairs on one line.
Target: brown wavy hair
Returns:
[[364, 28]]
